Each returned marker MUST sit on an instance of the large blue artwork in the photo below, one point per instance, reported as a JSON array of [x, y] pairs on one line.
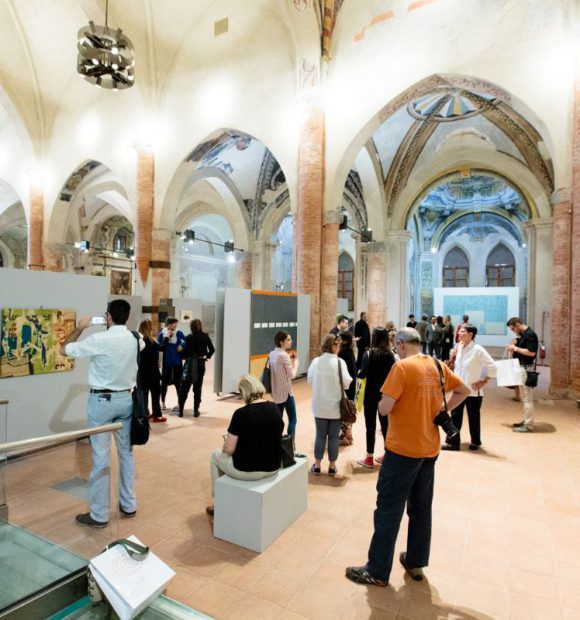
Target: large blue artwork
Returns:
[[488, 313]]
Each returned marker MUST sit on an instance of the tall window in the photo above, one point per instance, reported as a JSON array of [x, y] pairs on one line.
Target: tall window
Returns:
[[500, 269], [455, 268], [346, 279]]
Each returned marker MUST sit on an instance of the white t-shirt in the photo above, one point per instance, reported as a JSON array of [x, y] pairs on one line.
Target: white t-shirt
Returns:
[[113, 358], [326, 392]]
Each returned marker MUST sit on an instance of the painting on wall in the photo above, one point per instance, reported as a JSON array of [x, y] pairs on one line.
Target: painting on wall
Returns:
[[186, 316], [120, 282], [31, 341]]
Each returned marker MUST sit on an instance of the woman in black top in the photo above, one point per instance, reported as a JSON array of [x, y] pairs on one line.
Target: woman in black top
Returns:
[[448, 336], [252, 448], [377, 363], [438, 334], [198, 349], [149, 374], [347, 354]]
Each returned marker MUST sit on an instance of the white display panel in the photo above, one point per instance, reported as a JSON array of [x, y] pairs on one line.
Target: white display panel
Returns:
[[488, 308], [236, 337]]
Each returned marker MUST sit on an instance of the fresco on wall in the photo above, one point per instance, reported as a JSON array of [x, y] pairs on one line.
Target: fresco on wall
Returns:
[[120, 283], [31, 341]]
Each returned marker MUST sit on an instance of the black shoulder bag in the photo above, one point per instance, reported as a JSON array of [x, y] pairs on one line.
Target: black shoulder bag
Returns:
[[266, 378], [532, 375], [139, 420]]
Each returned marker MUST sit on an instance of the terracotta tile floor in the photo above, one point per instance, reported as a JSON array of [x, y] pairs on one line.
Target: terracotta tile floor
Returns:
[[506, 539]]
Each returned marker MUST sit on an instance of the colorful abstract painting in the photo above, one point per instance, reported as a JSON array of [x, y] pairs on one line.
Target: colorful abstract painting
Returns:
[[31, 341]]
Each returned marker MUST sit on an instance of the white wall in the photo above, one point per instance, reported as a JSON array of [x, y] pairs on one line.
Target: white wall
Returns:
[[52, 403]]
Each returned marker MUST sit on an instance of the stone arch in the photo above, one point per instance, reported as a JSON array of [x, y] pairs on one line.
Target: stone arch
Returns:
[[423, 87]]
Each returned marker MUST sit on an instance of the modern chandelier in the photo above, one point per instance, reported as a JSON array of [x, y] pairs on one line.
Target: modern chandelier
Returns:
[[106, 56]]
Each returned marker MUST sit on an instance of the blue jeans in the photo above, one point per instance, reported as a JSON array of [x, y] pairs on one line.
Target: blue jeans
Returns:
[[290, 406], [402, 480], [104, 409], [326, 428]]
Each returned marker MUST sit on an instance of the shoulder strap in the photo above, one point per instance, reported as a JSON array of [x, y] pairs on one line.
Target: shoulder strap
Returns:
[[135, 550], [138, 338], [340, 376], [440, 371]]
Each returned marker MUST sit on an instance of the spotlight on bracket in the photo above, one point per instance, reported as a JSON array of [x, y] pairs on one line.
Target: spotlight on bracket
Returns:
[[229, 246], [366, 234]]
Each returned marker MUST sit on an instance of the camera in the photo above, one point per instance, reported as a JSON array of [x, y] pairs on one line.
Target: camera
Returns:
[[443, 419]]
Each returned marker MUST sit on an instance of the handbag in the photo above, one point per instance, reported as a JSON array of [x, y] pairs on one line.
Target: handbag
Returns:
[[532, 377], [130, 576], [347, 406], [508, 372], [139, 419], [266, 377], [287, 443], [190, 372]]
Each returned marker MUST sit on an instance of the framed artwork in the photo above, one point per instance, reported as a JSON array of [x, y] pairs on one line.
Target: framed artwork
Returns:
[[186, 316], [120, 282], [31, 341]]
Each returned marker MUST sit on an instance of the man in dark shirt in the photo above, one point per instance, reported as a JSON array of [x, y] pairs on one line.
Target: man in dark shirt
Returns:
[[341, 325], [422, 327], [362, 335], [524, 348], [411, 322]]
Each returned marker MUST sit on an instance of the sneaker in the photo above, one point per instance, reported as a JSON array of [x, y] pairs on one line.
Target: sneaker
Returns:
[[299, 455], [522, 429], [516, 424], [163, 406], [176, 408], [379, 459], [474, 446], [332, 471], [127, 514], [359, 574], [315, 470], [196, 413], [368, 461], [158, 419], [416, 574], [86, 519], [448, 446]]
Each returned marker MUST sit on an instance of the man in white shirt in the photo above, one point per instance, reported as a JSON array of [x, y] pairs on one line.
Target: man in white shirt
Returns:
[[112, 376]]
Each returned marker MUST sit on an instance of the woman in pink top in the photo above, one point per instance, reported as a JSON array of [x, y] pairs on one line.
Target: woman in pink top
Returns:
[[283, 368]]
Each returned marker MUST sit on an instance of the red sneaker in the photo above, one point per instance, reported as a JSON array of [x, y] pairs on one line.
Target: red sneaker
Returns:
[[379, 459], [367, 462], [159, 419]]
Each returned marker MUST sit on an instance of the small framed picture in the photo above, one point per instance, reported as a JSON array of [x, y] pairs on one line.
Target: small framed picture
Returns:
[[186, 316], [120, 283]]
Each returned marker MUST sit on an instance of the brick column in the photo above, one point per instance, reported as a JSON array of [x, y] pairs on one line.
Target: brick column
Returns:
[[53, 256], [308, 238], [244, 270], [376, 283], [36, 230], [145, 212], [574, 322], [160, 264], [329, 276], [561, 292]]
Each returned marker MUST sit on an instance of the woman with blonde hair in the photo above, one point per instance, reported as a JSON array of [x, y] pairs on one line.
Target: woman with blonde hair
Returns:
[[252, 447], [149, 374], [327, 390]]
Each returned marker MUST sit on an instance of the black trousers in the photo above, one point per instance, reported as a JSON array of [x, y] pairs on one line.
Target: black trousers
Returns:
[[473, 404], [170, 375], [371, 405], [197, 386], [359, 357], [153, 387]]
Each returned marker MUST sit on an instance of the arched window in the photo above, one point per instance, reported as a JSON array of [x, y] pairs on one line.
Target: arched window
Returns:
[[120, 241], [346, 279], [455, 268], [500, 269]]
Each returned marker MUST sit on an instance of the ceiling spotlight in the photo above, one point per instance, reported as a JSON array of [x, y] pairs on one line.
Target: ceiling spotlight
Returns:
[[229, 246], [106, 56]]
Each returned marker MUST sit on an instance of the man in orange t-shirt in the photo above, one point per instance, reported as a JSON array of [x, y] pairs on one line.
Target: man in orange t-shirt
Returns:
[[412, 397]]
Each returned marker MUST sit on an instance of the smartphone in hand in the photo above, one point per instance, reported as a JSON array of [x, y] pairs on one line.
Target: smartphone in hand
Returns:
[[98, 320]]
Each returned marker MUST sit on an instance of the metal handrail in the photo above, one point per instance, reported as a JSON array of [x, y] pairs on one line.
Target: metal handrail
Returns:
[[59, 438]]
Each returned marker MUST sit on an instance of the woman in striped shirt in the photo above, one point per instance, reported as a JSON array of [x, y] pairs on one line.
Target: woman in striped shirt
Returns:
[[283, 368]]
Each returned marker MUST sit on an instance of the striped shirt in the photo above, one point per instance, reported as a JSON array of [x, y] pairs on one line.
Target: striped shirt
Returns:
[[281, 373]]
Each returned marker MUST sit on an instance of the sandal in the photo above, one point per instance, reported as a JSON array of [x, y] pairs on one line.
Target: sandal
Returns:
[[315, 470], [332, 471], [360, 574]]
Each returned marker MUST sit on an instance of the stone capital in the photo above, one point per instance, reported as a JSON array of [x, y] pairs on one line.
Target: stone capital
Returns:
[[374, 246], [332, 217], [562, 194]]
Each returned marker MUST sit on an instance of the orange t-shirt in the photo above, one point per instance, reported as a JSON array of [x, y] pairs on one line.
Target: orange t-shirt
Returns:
[[415, 384]]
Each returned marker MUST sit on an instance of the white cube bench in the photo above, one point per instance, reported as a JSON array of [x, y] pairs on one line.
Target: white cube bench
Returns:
[[253, 514]]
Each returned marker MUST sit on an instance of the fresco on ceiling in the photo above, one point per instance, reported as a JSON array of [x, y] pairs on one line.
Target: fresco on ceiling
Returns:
[[76, 179], [211, 153], [31, 341]]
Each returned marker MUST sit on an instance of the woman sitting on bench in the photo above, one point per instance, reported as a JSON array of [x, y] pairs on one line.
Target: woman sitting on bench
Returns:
[[252, 448]]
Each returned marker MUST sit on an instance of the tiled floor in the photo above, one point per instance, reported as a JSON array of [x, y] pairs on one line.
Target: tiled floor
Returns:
[[506, 539]]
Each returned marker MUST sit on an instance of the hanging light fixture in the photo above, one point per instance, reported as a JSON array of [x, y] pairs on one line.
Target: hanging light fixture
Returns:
[[106, 56]]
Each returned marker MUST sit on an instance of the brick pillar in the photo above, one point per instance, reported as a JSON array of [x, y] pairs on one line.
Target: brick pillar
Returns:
[[376, 283], [36, 230], [561, 292], [53, 256], [308, 238], [160, 264], [145, 212], [329, 277], [244, 270], [574, 322]]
